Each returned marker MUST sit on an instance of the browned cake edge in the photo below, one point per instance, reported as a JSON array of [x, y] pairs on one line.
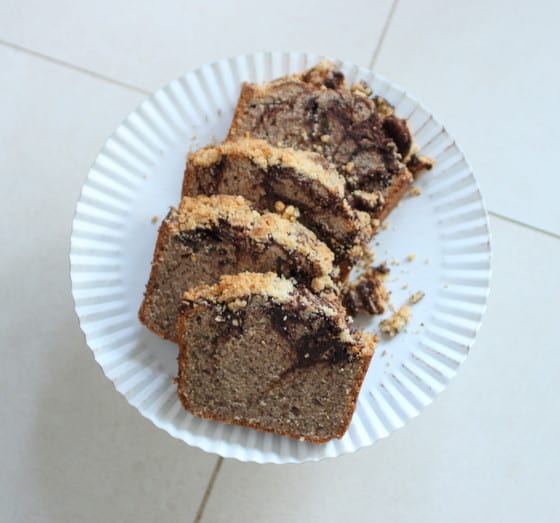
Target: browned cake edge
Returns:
[[248, 91], [397, 190], [164, 234], [368, 341]]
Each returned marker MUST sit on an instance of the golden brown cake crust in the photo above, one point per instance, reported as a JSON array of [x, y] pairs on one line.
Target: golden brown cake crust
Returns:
[[310, 165], [204, 212], [230, 289]]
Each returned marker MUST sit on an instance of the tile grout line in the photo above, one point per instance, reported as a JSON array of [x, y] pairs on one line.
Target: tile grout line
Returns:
[[383, 33], [77, 68], [209, 487], [120, 83], [376, 52], [526, 225]]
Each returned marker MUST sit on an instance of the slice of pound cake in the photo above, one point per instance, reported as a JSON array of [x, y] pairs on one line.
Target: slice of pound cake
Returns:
[[277, 178], [315, 110], [211, 236], [262, 351]]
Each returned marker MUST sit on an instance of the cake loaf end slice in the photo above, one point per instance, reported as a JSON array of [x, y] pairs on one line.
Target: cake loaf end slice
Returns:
[[260, 351]]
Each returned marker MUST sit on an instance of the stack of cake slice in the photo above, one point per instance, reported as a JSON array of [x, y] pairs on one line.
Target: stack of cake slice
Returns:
[[250, 272], [283, 180]]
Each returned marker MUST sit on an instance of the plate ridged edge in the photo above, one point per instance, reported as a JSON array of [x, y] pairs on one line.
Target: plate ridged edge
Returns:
[[111, 329]]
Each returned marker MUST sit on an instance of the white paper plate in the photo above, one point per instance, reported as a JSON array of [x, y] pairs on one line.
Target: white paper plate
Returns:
[[137, 176]]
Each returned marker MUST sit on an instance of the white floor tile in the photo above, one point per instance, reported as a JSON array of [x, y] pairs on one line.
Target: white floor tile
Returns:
[[71, 449], [149, 43], [485, 451], [489, 70]]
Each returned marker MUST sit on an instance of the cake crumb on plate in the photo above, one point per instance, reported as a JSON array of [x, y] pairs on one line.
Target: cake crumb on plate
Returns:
[[416, 297], [415, 191], [394, 324]]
